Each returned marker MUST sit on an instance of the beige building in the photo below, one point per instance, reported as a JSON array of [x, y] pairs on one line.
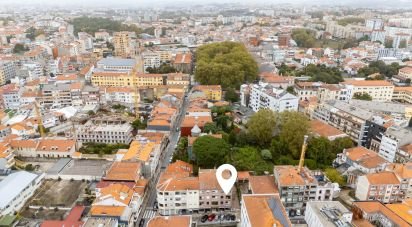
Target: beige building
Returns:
[[406, 72], [379, 90], [402, 94], [124, 45], [382, 186]]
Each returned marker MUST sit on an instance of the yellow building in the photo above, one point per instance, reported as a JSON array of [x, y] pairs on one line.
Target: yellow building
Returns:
[[123, 46], [212, 92]]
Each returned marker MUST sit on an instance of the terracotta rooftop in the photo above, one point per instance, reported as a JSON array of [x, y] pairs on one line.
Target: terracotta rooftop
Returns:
[[382, 178], [260, 213], [366, 83], [263, 185], [124, 171], [325, 130], [373, 207], [170, 221]]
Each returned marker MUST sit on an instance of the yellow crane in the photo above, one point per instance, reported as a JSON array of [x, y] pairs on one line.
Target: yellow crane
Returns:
[[40, 123], [302, 154]]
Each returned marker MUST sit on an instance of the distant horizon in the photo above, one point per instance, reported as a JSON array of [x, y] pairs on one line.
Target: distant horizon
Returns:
[[162, 3]]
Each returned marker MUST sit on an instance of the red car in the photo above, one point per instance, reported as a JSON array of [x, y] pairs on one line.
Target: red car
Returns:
[[211, 217]]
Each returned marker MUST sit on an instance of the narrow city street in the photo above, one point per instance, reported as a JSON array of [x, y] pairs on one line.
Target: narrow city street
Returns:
[[147, 211]]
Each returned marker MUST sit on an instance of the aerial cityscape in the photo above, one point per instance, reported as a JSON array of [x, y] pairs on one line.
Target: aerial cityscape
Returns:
[[205, 113]]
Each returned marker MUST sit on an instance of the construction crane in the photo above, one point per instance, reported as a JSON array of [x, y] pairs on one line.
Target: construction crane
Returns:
[[40, 123], [302, 154]]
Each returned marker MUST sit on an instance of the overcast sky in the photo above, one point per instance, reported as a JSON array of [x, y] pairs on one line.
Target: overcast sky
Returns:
[[137, 3]]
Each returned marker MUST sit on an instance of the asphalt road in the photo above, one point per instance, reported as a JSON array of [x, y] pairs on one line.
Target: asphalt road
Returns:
[[163, 162]]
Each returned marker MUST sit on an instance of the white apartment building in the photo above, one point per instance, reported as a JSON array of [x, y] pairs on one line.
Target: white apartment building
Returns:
[[105, 130], [56, 96], [124, 95], [265, 96], [394, 138], [7, 71], [176, 196], [11, 99], [374, 24], [379, 90], [151, 59], [16, 189], [382, 186], [327, 214]]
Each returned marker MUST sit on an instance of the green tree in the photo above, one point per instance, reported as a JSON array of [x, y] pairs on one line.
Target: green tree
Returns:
[[388, 43], [402, 44], [410, 122], [330, 75], [249, 159], [210, 128], [291, 90], [350, 20], [227, 63], [210, 152], [294, 126], [341, 143], [266, 154], [94, 24], [231, 95], [137, 124], [362, 96], [19, 48], [320, 151], [334, 176], [304, 37], [262, 125]]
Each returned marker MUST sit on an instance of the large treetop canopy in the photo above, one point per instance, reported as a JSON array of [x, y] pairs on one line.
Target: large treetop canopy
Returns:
[[227, 63]]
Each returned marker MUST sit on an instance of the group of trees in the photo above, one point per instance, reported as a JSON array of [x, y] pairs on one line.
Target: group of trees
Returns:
[[32, 33], [350, 20], [101, 148], [381, 68], [162, 69], [267, 139], [330, 75], [19, 48], [94, 24], [138, 124], [304, 37], [227, 63], [362, 96]]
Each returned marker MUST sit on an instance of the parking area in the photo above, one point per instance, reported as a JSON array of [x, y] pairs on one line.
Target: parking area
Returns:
[[216, 219]]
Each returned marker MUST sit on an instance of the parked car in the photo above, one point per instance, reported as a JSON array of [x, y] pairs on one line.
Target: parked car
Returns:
[[204, 218], [141, 223], [211, 217], [227, 217], [232, 217]]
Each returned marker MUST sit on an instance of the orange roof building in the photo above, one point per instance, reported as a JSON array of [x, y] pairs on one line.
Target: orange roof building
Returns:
[[382, 186], [124, 171], [169, 221], [322, 129], [263, 211], [375, 211]]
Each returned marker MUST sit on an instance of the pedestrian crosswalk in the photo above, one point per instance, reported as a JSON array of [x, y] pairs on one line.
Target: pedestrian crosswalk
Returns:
[[148, 214]]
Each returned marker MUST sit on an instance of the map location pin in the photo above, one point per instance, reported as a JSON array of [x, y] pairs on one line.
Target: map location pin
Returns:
[[226, 184]]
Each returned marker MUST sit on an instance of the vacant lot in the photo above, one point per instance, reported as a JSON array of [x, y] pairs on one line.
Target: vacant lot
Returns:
[[54, 193], [58, 193]]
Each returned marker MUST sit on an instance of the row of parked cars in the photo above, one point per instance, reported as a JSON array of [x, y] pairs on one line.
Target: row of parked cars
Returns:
[[217, 217]]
